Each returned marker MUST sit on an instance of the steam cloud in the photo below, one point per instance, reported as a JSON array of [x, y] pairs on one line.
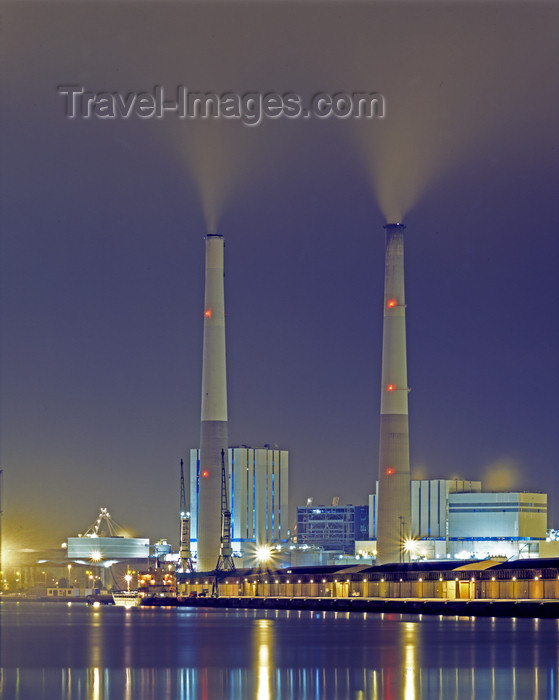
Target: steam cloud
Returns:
[[458, 90], [501, 475]]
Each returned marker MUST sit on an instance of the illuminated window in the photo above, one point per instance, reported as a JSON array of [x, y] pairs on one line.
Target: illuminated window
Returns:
[[208, 313], [391, 303]]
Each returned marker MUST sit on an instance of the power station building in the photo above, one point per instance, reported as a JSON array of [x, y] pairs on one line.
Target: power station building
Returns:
[[455, 518], [497, 524], [334, 528], [258, 480]]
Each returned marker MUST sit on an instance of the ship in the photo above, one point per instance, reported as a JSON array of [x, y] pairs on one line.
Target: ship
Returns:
[[128, 599]]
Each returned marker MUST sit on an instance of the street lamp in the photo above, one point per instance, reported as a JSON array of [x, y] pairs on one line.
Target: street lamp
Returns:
[[96, 558], [128, 578], [410, 546], [402, 536]]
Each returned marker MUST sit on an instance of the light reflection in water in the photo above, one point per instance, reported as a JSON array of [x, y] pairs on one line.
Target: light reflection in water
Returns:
[[264, 639], [410, 661], [116, 655], [95, 684], [269, 683], [127, 684]]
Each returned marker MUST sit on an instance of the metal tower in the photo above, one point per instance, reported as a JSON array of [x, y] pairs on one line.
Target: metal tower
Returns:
[[225, 564], [184, 548], [183, 492], [225, 559]]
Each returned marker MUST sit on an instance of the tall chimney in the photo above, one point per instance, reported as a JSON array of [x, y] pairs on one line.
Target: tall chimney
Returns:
[[213, 427], [394, 513]]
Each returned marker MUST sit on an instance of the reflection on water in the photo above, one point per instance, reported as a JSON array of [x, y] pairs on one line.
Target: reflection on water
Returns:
[[291, 684], [264, 637], [410, 659], [181, 654]]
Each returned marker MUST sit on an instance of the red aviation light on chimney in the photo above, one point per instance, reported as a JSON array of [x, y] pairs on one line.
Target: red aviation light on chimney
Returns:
[[205, 473], [391, 387], [208, 313], [389, 471], [391, 303]]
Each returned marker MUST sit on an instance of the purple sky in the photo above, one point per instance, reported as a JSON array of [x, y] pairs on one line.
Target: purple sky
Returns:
[[102, 227]]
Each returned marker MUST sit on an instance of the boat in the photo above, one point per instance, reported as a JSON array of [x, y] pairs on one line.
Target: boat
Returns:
[[128, 599]]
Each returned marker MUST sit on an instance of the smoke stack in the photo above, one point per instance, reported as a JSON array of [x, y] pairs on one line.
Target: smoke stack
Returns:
[[394, 514], [213, 427]]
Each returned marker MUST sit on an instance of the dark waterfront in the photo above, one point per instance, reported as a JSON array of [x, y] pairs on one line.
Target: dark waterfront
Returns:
[[52, 651]]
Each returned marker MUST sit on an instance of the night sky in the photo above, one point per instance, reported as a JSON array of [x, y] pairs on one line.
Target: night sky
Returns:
[[102, 225]]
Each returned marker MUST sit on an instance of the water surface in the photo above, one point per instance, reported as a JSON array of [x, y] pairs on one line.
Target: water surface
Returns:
[[52, 651]]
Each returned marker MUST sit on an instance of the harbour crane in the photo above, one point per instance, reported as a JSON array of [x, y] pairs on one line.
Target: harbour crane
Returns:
[[185, 554]]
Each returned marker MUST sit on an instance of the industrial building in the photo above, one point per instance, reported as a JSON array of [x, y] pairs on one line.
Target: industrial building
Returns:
[[429, 505], [104, 540], [496, 524], [455, 518], [334, 528], [99, 549], [258, 480], [439, 584]]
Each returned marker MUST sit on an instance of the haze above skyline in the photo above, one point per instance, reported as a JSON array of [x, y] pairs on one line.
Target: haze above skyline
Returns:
[[102, 253]]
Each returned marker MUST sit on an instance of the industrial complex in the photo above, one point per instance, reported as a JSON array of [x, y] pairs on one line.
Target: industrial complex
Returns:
[[234, 527], [257, 481]]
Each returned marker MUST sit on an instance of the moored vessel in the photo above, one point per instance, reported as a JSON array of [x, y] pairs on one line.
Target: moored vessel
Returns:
[[128, 599]]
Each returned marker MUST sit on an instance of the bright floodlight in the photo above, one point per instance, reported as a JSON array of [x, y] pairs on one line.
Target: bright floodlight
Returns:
[[410, 546], [263, 553], [96, 556]]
